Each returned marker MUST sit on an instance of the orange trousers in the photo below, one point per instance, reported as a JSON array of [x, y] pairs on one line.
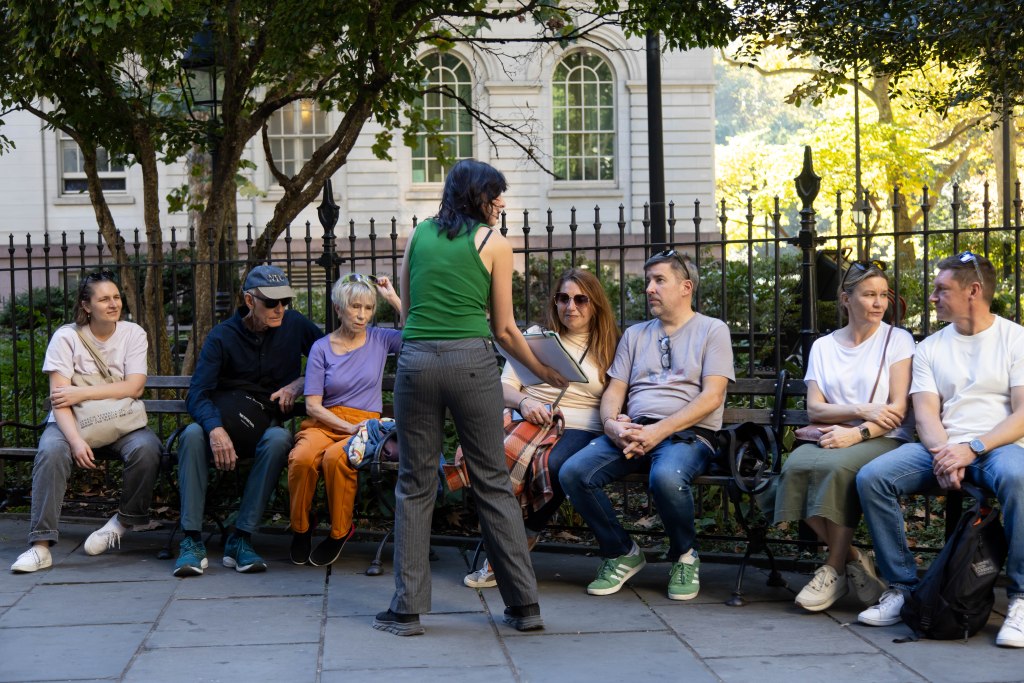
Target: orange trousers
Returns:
[[317, 447]]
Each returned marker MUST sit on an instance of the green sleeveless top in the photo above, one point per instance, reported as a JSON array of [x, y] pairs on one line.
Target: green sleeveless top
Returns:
[[449, 287]]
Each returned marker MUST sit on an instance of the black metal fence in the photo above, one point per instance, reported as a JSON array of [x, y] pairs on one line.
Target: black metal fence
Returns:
[[772, 278]]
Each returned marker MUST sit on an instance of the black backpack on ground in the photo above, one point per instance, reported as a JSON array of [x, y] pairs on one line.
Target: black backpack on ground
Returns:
[[956, 594]]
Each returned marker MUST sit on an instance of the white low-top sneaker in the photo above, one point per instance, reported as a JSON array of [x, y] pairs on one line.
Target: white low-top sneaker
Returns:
[[105, 538], [481, 578], [823, 590], [1012, 632], [32, 560], [886, 612]]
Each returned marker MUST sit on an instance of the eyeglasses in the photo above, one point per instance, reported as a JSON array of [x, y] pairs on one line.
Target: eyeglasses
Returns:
[[666, 352], [863, 266], [273, 303], [966, 256], [563, 299], [359, 277]]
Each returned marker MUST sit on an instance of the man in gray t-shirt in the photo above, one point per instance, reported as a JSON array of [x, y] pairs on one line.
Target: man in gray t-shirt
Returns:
[[662, 405]]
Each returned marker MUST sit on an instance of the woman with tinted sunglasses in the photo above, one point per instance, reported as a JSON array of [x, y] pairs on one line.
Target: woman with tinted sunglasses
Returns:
[[344, 374], [580, 313], [858, 379], [123, 346]]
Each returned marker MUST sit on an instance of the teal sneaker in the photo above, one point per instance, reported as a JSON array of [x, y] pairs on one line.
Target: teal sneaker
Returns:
[[614, 573], [239, 555], [191, 558], [684, 577]]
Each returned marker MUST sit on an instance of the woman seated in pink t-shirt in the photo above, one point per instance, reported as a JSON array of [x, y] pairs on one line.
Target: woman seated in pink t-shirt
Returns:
[[343, 389]]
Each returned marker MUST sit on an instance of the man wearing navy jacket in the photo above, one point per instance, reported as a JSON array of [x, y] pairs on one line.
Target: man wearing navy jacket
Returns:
[[248, 377]]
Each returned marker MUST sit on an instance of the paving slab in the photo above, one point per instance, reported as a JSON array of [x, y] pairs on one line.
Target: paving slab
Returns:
[[294, 662], [605, 657], [89, 603], [450, 641], [239, 621], [68, 652], [834, 668], [467, 674]]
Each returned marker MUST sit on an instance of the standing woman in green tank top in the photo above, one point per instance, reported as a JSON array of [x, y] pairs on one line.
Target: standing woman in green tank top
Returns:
[[456, 270]]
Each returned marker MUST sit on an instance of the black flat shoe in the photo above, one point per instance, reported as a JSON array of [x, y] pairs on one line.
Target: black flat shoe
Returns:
[[329, 549], [302, 543], [524, 617], [398, 623]]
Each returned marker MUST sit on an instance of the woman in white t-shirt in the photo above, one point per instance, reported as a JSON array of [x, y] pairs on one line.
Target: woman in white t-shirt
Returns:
[[123, 346], [858, 379], [580, 313]]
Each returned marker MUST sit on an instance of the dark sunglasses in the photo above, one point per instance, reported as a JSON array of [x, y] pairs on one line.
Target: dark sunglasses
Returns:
[[100, 276], [966, 256], [273, 303], [863, 266], [672, 253], [666, 352], [563, 299], [359, 277]]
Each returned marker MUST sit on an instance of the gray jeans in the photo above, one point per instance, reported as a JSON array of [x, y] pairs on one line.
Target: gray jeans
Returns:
[[140, 452]]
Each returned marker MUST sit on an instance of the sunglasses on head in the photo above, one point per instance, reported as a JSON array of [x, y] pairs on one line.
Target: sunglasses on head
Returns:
[[863, 265], [563, 299], [672, 253], [274, 303], [359, 277], [99, 276], [966, 256]]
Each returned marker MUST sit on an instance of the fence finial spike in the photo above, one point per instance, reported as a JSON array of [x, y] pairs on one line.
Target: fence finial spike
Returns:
[[328, 210], [808, 182]]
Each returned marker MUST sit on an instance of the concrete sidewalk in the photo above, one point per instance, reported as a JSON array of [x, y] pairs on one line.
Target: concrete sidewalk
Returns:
[[123, 617]]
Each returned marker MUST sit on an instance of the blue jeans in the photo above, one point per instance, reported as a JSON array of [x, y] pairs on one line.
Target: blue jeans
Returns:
[[908, 470], [572, 441], [194, 458], [674, 464]]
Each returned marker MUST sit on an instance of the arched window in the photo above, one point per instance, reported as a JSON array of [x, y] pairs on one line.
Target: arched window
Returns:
[[455, 125], [583, 112], [295, 131]]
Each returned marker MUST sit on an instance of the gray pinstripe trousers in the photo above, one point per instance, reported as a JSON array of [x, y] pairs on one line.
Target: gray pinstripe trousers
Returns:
[[462, 376]]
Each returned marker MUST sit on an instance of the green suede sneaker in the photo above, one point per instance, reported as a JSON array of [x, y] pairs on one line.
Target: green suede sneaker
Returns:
[[614, 573], [239, 555], [191, 558], [684, 577]]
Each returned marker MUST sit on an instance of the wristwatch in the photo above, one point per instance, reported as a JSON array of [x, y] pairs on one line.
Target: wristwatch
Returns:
[[977, 447], [865, 433]]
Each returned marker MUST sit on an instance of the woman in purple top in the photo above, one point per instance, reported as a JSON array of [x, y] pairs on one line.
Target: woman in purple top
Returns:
[[343, 389]]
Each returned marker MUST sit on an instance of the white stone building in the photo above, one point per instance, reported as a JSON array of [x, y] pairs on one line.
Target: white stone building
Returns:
[[585, 105]]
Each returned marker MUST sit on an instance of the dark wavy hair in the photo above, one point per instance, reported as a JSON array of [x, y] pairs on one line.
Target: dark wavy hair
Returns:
[[469, 187]]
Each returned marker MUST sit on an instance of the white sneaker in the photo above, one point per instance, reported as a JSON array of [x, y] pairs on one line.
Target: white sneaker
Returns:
[[481, 578], [822, 591], [105, 538], [886, 612], [33, 559], [861, 575], [1012, 632]]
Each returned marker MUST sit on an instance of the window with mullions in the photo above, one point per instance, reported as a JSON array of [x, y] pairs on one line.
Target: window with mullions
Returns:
[[583, 113], [72, 169], [294, 132], [455, 125]]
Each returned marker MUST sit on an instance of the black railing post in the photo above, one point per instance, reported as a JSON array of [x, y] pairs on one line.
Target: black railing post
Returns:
[[328, 212], [807, 185]]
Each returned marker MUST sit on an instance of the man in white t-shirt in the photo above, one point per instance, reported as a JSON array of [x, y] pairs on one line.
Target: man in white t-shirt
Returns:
[[968, 393], [673, 372]]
